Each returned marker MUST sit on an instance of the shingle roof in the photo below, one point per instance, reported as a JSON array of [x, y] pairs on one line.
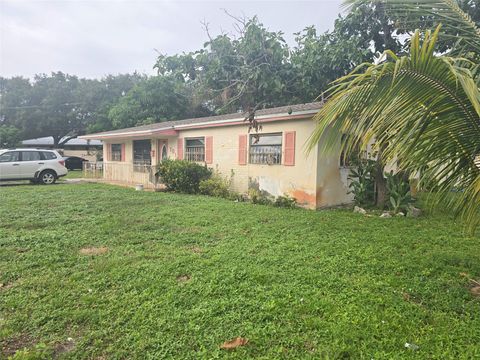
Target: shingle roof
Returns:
[[282, 110]]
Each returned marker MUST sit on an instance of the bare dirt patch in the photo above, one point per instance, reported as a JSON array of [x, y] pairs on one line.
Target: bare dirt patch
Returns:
[[234, 343], [196, 250], [4, 286], [62, 348], [474, 285], [183, 278], [94, 250], [475, 291], [11, 345]]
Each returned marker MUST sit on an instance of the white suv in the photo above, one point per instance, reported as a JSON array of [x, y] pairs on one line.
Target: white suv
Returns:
[[42, 166]]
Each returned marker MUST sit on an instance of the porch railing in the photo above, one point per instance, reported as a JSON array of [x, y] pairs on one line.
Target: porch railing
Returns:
[[129, 173], [142, 166], [92, 170]]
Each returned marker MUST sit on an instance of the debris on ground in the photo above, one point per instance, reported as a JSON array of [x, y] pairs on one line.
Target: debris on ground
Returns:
[[358, 209], [234, 343], [411, 346], [414, 212]]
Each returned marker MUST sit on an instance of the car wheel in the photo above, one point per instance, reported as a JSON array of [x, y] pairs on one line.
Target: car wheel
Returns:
[[48, 177]]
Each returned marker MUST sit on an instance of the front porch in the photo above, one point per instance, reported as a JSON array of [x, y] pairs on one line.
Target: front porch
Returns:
[[134, 161], [130, 174]]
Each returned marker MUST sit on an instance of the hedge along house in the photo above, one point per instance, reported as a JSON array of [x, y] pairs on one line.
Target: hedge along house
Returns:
[[276, 163]]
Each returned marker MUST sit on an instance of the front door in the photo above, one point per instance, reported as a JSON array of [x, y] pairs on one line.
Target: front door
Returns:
[[162, 149]]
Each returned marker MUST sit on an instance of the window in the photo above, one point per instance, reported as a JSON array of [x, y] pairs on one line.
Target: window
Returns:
[[48, 155], [195, 149], [31, 156], [266, 149], [141, 155], [116, 152], [10, 156]]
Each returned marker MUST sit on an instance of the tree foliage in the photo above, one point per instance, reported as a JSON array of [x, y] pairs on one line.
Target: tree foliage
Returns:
[[60, 105], [154, 100], [257, 69], [9, 136]]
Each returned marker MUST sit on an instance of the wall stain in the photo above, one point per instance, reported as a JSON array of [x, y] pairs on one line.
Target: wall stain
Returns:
[[303, 197]]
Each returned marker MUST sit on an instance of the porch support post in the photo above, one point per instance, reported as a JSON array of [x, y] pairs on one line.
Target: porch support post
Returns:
[[154, 150]]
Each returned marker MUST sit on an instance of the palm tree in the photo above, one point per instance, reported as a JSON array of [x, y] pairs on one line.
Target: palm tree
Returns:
[[422, 108]]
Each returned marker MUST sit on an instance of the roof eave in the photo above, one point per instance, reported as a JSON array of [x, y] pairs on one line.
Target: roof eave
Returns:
[[173, 130]]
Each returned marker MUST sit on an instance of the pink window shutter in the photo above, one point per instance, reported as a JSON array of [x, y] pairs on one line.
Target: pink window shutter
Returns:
[[180, 148], [242, 149], [122, 155], [289, 159], [209, 149]]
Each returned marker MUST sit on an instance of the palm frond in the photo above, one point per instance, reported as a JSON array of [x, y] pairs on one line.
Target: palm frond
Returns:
[[423, 109]]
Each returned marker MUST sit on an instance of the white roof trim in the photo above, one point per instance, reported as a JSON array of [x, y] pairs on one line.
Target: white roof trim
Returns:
[[180, 127]]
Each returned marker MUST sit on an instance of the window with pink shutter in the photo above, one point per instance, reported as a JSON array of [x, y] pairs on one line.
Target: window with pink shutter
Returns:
[[242, 149], [209, 149], [289, 159], [180, 148]]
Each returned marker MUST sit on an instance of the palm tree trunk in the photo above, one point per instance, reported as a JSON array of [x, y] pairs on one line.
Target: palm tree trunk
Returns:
[[380, 182]]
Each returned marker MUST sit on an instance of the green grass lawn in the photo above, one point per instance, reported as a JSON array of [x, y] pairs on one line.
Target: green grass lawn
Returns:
[[183, 274], [73, 174], [79, 174]]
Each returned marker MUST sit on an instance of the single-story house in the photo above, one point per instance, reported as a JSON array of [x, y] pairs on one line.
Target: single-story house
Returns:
[[275, 163], [87, 149]]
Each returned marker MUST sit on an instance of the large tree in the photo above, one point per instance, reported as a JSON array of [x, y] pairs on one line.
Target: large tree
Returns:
[[60, 105], [234, 73], [156, 99], [422, 108], [357, 37], [98, 96], [257, 69]]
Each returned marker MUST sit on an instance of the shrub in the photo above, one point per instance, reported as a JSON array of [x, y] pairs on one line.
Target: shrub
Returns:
[[182, 176], [285, 201], [398, 190], [362, 182], [216, 185], [259, 197]]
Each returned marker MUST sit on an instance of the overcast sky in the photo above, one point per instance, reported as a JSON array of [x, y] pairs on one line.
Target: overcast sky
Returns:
[[92, 38]]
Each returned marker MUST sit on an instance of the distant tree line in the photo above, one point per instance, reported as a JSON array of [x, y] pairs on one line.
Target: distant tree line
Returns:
[[253, 68]]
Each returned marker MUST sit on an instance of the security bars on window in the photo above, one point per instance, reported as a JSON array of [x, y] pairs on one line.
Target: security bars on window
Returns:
[[141, 155], [266, 149], [195, 149]]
